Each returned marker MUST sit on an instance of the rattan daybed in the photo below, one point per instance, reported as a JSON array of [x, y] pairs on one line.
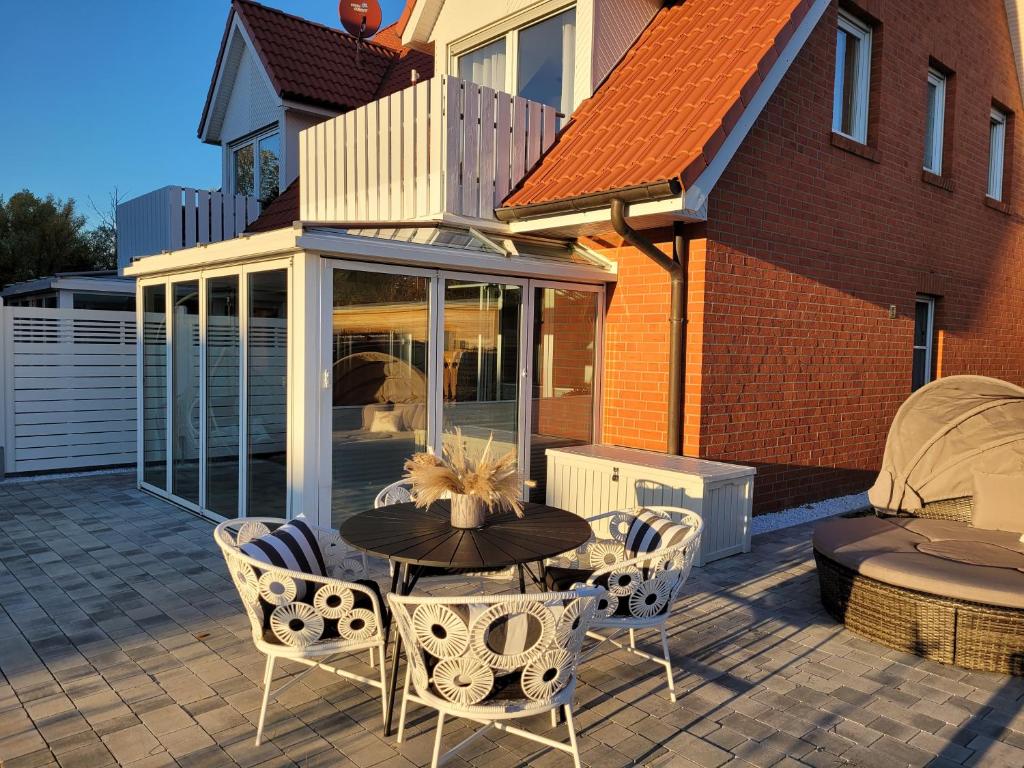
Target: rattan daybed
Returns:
[[918, 577]]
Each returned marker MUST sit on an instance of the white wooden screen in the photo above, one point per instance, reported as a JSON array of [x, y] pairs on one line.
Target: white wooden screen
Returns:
[[68, 388], [443, 146]]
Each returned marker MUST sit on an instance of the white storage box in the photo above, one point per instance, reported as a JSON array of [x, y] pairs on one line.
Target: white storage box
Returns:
[[593, 479]]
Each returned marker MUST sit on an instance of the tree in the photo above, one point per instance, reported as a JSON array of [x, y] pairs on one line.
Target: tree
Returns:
[[43, 236]]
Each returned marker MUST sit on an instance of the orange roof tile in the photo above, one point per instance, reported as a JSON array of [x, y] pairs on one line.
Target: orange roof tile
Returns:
[[668, 106]]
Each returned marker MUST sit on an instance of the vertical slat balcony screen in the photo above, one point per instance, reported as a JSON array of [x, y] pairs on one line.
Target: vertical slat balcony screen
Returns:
[[443, 146]]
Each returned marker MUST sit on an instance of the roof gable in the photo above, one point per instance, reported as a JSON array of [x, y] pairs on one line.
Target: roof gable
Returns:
[[306, 62], [668, 108]]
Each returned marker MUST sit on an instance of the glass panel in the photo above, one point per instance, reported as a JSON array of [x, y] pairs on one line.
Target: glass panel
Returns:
[[185, 388], [564, 345], [379, 340], [243, 170], [996, 141], [485, 65], [481, 363], [921, 324], [850, 84], [547, 55], [222, 395], [930, 159], [270, 152], [919, 378], [266, 406], [154, 386]]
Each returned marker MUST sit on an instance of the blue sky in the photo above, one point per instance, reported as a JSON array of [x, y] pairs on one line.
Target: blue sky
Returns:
[[108, 93]]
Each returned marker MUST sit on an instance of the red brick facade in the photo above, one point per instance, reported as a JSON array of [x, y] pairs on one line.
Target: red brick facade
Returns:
[[793, 362]]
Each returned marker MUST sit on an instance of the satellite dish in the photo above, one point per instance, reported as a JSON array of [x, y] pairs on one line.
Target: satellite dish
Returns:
[[360, 18]]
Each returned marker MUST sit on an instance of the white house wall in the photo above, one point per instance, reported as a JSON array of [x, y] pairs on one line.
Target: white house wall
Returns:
[[617, 25], [294, 123], [252, 105]]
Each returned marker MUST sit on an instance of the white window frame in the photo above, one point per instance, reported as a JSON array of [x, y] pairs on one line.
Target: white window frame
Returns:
[[861, 100], [509, 29], [929, 339], [933, 154], [254, 139], [996, 153]]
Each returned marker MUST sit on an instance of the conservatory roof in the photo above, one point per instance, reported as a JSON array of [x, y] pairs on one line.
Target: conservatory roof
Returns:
[[422, 245]]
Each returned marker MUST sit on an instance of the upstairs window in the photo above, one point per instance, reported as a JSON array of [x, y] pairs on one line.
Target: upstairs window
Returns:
[[935, 119], [255, 167], [852, 78], [536, 61], [996, 153]]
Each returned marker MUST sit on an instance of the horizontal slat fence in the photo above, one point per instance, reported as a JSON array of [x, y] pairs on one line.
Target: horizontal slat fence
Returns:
[[170, 218], [441, 146], [68, 388]]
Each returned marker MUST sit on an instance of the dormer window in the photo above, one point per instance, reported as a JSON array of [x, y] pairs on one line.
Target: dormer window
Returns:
[[536, 61], [255, 166]]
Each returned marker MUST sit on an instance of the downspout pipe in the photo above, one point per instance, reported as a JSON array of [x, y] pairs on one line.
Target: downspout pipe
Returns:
[[676, 269]]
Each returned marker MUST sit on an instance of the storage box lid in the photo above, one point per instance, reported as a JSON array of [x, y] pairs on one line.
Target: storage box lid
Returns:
[[665, 462]]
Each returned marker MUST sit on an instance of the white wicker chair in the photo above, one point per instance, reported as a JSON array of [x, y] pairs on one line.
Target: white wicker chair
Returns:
[[336, 615], [491, 659], [643, 578], [400, 492]]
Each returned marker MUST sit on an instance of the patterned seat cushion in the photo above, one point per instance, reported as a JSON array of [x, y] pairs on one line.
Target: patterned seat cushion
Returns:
[[650, 531]]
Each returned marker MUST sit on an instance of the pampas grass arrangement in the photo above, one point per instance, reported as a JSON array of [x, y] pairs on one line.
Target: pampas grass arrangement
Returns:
[[477, 487]]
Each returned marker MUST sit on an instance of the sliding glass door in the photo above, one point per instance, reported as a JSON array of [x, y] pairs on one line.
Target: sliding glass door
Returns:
[[411, 357], [379, 361], [214, 390]]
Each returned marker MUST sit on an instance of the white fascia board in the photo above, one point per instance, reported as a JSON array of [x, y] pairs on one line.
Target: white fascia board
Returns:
[[693, 205], [421, 21], [1015, 20], [584, 222], [244, 248], [237, 27], [95, 284], [438, 257]]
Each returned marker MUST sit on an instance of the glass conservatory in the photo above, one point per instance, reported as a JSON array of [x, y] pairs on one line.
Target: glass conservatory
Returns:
[[294, 372]]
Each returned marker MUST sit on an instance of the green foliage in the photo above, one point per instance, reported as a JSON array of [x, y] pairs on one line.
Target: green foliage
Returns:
[[43, 236]]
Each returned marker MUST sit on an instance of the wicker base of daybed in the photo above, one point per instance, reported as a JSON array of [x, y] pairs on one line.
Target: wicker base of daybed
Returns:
[[969, 635]]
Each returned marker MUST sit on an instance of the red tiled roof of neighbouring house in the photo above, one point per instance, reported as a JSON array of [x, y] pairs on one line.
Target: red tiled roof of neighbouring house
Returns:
[[319, 65], [282, 211], [669, 104]]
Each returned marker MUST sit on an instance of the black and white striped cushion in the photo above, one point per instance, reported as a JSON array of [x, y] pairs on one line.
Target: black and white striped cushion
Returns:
[[292, 546], [650, 531]]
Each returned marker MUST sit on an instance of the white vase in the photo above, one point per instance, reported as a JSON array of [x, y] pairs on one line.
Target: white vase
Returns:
[[468, 511]]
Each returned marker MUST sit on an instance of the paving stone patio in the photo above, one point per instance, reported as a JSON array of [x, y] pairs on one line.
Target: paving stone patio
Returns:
[[122, 642]]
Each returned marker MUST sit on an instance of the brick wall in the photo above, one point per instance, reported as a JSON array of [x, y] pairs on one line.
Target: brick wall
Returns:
[[808, 246], [793, 363]]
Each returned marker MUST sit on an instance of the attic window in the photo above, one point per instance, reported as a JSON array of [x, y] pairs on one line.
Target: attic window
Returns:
[[255, 166]]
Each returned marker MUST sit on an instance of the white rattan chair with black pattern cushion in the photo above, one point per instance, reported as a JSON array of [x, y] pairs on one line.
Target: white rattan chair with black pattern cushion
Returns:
[[304, 593], [400, 492], [643, 557], [491, 659]]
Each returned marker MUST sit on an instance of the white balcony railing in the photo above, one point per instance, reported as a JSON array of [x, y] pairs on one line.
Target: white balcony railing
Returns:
[[444, 146], [170, 218]]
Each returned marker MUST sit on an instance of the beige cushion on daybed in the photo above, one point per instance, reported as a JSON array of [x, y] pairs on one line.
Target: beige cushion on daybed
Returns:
[[886, 550]]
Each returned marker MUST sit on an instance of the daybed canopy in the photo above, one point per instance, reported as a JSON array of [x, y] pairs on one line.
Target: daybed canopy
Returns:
[[942, 433]]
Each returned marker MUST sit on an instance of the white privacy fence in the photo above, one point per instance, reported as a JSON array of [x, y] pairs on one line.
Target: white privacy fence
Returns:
[[67, 388], [442, 146], [171, 218]]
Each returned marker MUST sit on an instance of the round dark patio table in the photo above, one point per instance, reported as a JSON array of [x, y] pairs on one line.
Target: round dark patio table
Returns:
[[422, 540]]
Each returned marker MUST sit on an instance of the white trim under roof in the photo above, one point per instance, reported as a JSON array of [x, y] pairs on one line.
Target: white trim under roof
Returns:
[[692, 204], [421, 21], [1015, 19], [101, 284], [334, 242]]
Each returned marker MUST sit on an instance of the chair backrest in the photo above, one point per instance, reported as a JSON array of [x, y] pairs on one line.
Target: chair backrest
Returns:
[[644, 556], [294, 608], [397, 492], [506, 651]]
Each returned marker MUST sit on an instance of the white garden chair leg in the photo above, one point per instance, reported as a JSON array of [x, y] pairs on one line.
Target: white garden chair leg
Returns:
[[668, 666], [437, 741], [572, 736], [632, 638], [383, 686], [554, 718], [371, 657], [405, 704], [268, 675]]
